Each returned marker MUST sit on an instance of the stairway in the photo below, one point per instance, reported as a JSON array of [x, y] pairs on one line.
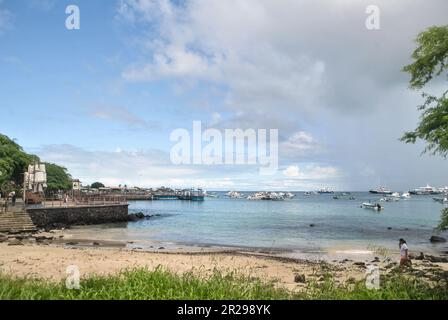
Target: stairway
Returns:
[[16, 222]]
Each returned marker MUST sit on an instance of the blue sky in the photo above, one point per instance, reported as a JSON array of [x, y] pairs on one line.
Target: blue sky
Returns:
[[104, 99]]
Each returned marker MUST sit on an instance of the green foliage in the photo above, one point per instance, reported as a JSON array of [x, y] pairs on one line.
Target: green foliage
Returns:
[[13, 161], [430, 60], [57, 178], [160, 284], [97, 185]]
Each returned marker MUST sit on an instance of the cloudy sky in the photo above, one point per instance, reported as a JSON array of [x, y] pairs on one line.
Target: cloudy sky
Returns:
[[103, 100]]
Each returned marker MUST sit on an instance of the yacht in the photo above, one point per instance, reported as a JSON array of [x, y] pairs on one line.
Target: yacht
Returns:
[[325, 190], [381, 190], [425, 190], [234, 195]]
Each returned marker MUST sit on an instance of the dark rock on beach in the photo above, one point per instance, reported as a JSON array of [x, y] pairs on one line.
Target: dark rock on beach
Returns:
[[436, 259], [136, 216], [434, 239], [15, 242], [299, 278]]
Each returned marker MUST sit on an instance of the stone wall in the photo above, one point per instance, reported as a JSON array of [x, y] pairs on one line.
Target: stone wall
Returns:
[[59, 217]]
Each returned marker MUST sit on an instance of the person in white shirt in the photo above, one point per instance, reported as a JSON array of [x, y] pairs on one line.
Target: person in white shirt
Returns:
[[404, 253]]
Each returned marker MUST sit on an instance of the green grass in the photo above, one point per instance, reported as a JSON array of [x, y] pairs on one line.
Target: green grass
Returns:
[[161, 284]]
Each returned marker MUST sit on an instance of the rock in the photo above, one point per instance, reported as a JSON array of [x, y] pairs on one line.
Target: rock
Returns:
[[436, 259], [299, 278], [389, 228], [421, 256], [359, 264], [96, 243], [391, 265], [161, 248], [140, 215], [15, 242], [437, 239], [43, 238], [376, 259], [312, 225], [136, 216], [71, 243]]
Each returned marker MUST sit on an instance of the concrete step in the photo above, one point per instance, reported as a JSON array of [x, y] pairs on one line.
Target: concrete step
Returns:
[[16, 221]]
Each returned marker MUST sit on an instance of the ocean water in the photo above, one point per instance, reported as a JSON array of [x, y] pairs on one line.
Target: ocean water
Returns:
[[287, 224]]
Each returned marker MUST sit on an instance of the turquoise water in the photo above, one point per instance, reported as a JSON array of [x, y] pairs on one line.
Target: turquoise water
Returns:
[[286, 224]]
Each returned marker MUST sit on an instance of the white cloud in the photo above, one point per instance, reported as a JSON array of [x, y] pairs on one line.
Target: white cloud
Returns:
[[308, 68], [120, 115], [312, 172], [291, 171]]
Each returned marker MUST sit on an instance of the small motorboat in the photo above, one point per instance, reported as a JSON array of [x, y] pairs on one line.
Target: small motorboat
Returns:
[[370, 205], [441, 200], [406, 195], [389, 199]]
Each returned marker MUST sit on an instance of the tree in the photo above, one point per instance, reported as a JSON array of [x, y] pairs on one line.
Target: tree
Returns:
[[13, 161], [430, 61], [57, 178], [97, 185]]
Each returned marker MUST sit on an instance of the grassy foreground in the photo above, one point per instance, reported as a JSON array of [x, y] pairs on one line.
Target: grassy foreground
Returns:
[[161, 284]]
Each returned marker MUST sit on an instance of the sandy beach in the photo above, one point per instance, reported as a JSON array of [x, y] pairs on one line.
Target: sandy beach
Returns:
[[47, 256]]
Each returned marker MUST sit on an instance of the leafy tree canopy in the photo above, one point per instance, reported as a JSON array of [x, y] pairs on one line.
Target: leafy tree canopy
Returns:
[[14, 162], [430, 61], [57, 178], [97, 185]]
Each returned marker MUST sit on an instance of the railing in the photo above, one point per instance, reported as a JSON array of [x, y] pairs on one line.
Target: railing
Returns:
[[6, 206], [83, 202]]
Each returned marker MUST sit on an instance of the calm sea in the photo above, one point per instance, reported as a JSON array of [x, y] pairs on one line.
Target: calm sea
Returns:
[[287, 224]]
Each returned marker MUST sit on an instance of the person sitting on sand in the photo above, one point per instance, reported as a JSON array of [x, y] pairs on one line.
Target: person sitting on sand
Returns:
[[404, 253]]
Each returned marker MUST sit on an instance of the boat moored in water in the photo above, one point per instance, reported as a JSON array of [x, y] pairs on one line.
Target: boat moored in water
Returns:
[[325, 190], [428, 190], [441, 200], [381, 190], [373, 206]]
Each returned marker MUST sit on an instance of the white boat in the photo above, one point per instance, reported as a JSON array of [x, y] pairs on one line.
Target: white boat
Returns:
[[263, 195], [443, 190], [389, 199], [441, 200], [234, 195], [425, 190], [406, 195], [373, 206], [289, 195], [395, 195], [381, 190]]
